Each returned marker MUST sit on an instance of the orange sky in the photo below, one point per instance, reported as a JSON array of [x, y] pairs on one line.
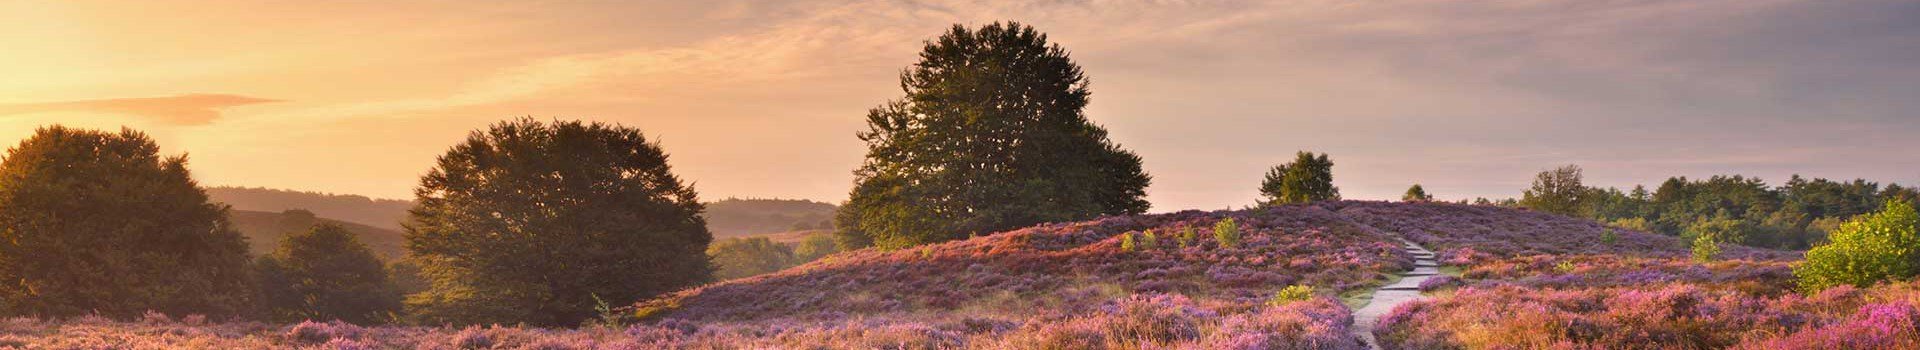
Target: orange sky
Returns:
[[763, 99]]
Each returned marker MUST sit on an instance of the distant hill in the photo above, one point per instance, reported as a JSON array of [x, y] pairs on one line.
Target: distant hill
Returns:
[[381, 213], [264, 230], [734, 217]]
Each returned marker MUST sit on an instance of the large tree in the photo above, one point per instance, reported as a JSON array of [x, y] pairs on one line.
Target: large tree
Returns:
[[1308, 178], [93, 221], [989, 137], [534, 222], [1557, 191], [325, 273]]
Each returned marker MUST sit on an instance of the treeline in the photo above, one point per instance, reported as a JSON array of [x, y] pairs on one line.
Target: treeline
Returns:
[[1797, 214]]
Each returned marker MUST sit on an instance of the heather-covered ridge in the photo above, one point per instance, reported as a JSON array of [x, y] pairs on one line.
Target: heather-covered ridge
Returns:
[[1067, 268]]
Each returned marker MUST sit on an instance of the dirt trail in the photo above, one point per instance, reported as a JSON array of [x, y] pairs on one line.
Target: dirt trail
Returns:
[[1392, 295]]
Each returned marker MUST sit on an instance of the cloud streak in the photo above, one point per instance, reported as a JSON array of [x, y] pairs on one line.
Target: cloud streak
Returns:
[[191, 109]]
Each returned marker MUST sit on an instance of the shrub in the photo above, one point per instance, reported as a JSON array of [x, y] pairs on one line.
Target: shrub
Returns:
[[1149, 241], [1290, 294], [325, 273], [1126, 242], [1608, 236], [1227, 233], [98, 222], [1706, 247], [1187, 235], [749, 256], [1868, 249], [526, 221]]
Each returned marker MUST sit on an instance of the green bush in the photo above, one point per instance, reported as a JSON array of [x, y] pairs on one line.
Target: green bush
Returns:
[[1149, 241], [1868, 249], [749, 256], [1608, 236], [1126, 242], [1187, 235], [1706, 247], [1290, 294], [1227, 232]]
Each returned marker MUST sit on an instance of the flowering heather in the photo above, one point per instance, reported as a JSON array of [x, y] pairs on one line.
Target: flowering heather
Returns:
[[1526, 280], [1660, 316], [1069, 268]]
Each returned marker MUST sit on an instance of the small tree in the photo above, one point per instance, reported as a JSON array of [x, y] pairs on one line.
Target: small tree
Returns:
[[98, 222], [1557, 191], [1706, 247], [814, 247], [325, 273], [1416, 194], [749, 256], [1227, 233], [1866, 250], [1308, 178], [528, 221]]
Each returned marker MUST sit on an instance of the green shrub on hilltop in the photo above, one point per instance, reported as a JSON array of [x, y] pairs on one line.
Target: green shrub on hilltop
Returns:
[[1868, 249]]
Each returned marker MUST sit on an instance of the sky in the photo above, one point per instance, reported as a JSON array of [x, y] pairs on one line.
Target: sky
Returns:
[[763, 98]]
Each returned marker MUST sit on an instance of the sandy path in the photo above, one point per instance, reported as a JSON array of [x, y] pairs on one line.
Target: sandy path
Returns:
[[1392, 295]]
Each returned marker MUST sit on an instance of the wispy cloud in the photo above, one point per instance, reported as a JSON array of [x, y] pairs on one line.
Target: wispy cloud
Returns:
[[191, 109]]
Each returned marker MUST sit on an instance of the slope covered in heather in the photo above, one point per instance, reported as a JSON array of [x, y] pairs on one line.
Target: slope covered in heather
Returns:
[[1072, 278]]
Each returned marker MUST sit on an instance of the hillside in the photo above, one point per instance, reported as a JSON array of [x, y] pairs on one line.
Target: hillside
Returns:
[[264, 230], [381, 213], [730, 217], [1032, 286], [734, 217]]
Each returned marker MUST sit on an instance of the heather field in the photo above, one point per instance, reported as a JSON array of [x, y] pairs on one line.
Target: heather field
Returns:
[[1513, 279]]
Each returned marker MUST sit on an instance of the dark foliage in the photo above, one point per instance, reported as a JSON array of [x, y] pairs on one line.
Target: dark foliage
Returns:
[[1309, 178], [326, 274], [98, 222], [989, 137], [536, 222]]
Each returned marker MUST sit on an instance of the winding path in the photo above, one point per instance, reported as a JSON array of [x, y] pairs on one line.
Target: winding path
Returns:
[[1392, 295]]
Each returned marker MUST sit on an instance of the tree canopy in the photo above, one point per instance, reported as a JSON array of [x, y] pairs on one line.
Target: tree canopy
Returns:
[[1557, 191], [94, 221], [325, 273], [1309, 178], [989, 136], [536, 222]]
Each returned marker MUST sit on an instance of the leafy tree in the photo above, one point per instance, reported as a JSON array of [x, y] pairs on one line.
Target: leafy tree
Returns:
[[1416, 194], [749, 256], [1869, 249], [814, 247], [529, 221], [325, 273], [989, 137], [93, 221], [1556, 191], [1308, 178]]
